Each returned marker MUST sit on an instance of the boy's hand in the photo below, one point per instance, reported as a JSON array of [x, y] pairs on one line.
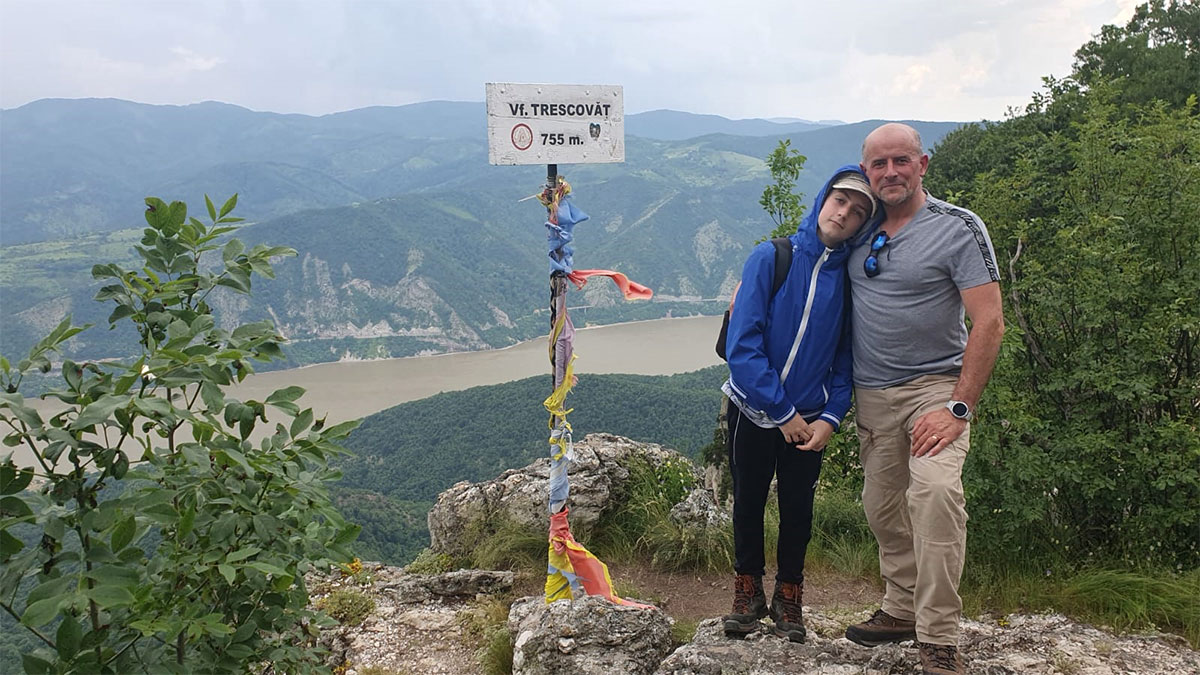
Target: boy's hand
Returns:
[[796, 430], [822, 431]]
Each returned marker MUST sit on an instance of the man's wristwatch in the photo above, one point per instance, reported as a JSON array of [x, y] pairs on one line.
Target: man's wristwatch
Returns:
[[960, 410]]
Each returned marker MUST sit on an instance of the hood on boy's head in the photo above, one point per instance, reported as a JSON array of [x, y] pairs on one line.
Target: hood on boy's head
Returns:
[[848, 177], [857, 183]]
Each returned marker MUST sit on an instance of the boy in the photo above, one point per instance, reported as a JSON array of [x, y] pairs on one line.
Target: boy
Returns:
[[789, 383]]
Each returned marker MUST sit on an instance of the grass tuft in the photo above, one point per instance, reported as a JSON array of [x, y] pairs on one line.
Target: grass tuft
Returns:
[[349, 607], [428, 562], [511, 546], [485, 629]]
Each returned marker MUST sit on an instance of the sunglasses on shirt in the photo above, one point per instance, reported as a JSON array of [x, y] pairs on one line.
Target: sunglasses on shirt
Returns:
[[871, 264]]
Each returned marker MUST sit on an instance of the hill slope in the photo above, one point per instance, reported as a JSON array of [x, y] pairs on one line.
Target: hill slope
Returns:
[[403, 457]]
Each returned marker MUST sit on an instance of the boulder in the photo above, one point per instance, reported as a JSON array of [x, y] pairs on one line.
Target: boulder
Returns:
[[467, 512], [699, 510], [586, 636]]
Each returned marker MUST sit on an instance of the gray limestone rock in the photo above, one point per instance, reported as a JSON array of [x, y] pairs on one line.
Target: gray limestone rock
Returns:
[[699, 510], [588, 636], [466, 512], [1016, 644]]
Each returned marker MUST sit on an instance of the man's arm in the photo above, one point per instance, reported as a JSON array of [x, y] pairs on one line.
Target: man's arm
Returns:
[[937, 429]]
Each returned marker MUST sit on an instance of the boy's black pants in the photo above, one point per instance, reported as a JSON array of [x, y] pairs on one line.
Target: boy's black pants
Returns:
[[756, 455]]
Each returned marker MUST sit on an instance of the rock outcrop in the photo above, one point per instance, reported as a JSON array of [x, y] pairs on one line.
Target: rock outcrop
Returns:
[[590, 636], [414, 626], [468, 511], [417, 625], [1017, 644]]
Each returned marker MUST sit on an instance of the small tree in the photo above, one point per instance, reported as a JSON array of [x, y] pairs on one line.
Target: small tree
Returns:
[[778, 199], [158, 537]]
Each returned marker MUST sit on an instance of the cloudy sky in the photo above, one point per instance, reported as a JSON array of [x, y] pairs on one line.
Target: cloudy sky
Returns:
[[847, 60]]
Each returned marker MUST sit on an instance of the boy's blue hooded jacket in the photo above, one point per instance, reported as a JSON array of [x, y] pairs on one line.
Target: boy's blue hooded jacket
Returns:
[[802, 332]]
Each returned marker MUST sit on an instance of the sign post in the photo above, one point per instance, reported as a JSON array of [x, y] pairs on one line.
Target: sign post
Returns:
[[556, 124]]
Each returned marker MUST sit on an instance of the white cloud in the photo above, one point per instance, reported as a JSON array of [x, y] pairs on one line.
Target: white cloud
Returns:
[[190, 60], [773, 58]]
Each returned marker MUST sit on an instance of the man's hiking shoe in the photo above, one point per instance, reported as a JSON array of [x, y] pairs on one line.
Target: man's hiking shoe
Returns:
[[749, 605], [939, 659], [880, 629], [787, 610]]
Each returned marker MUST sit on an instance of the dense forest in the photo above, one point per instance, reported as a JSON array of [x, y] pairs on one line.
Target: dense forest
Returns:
[[1087, 448]]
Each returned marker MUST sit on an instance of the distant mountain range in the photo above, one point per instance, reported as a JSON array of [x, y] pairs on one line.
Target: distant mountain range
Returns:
[[409, 241]]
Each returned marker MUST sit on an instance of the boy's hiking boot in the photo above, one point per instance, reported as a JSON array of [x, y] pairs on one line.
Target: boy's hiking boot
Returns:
[[749, 605], [787, 610], [881, 628], [939, 659]]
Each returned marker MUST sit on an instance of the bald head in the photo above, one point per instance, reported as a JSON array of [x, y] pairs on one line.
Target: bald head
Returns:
[[895, 165], [895, 133]]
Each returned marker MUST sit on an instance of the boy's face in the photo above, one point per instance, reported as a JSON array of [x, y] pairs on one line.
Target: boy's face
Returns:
[[843, 212]]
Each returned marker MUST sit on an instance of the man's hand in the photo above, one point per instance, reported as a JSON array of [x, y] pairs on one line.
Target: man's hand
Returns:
[[821, 432], [934, 431], [796, 430]]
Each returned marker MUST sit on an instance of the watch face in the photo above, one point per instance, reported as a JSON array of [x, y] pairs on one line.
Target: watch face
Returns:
[[960, 410]]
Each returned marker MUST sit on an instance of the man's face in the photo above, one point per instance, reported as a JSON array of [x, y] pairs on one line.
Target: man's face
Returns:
[[893, 166], [843, 212]]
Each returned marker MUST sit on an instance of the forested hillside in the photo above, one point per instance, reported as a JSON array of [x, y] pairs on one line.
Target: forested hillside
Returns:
[[403, 457], [1085, 452], [408, 241]]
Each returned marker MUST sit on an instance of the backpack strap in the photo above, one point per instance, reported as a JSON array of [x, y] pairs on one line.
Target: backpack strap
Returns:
[[783, 262]]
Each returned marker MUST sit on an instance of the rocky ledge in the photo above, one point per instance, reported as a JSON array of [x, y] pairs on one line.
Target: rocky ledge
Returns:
[[421, 624]]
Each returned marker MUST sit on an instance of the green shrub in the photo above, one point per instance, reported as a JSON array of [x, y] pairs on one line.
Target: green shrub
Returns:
[[158, 536]]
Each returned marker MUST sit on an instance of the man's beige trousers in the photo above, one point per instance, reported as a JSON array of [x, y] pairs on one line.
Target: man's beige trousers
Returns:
[[914, 505]]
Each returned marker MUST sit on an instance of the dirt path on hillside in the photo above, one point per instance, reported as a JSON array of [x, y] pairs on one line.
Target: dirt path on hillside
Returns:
[[691, 597]]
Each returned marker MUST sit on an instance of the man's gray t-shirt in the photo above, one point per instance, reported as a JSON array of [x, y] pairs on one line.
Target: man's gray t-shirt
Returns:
[[908, 320]]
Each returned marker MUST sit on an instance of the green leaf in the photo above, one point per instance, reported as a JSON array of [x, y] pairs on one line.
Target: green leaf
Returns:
[[236, 457], [348, 534], [9, 545], [228, 206], [228, 572], [42, 612], [13, 506], [195, 454], [341, 430], [267, 568], [212, 210], [35, 665], [301, 423], [242, 554], [115, 575], [289, 394], [67, 639], [110, 596], [232, 250], [211, 394], [123, 533], [99, 411], [49, 589], [14, 479], [187, 520]]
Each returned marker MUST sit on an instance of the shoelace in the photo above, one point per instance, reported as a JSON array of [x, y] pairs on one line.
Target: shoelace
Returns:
[[943, 657], [743, 593], [879, 618]]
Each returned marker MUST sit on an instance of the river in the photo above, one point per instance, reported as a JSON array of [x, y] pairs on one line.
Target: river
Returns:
[[348, 390]]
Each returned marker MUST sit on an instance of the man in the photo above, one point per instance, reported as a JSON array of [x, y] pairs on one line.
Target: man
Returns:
[[789, 385], [918, 375]]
